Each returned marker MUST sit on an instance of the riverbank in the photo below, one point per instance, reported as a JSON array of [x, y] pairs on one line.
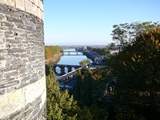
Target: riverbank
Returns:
[[52, 54]]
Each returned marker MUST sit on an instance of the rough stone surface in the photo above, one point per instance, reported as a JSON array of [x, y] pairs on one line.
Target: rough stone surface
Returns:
[[32, 111], [22, 61], [34, 7]]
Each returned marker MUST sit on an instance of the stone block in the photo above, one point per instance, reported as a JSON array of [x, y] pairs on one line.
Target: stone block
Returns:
[[20, 4], [11, 102], [3, 1], [2, 64], [36, 2], [8, 2], [32, 1], [11, 3], [2, 17], [2, 46], [7, 25], [34, 9], [41, 5], [28, 6], [40, 13], [1, 37]]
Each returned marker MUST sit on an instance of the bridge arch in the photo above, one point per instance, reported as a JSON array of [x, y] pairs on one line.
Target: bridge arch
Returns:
[[71, 53], [73, 68], [64, 69], [57, 70]]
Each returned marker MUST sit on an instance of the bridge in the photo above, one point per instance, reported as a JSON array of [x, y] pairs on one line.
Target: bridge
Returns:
[[68, 70], [69, 75], [71, 53], [68, 79], [64, 69]]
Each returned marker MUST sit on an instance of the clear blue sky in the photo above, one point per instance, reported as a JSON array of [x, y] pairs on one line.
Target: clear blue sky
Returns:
[[89, 22]]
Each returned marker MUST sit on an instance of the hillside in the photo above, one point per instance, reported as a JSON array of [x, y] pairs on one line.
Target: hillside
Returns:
[[52, 54]]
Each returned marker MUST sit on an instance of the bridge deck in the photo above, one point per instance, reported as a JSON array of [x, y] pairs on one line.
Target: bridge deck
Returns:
[[62, 77], [74, 53], [68, 74], [66, 65]]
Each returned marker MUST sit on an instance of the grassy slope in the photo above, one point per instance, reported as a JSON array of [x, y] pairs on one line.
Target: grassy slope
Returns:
[[52, 53]]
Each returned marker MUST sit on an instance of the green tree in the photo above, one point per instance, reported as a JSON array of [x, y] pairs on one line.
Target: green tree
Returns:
[[83, 89], [60, 104], [85, 114], [125, 33], [85, 62], [138, 73], [89, 92]]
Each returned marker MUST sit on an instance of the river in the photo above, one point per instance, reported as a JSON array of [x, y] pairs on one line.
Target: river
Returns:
[[71, 59]]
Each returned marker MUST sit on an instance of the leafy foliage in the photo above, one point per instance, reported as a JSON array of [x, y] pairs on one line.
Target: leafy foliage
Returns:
[[126, 33], [89, 93], [85, 62], [138, 73], [51, 52], [60, 104]]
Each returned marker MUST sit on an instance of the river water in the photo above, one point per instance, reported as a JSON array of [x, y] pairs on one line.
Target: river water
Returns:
[[71, 59]]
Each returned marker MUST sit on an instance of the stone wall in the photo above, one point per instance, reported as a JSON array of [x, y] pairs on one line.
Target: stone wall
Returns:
[[22, 71], [34, 7]]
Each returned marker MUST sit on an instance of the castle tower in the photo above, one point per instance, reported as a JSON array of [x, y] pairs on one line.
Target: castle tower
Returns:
[[22, 64]]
